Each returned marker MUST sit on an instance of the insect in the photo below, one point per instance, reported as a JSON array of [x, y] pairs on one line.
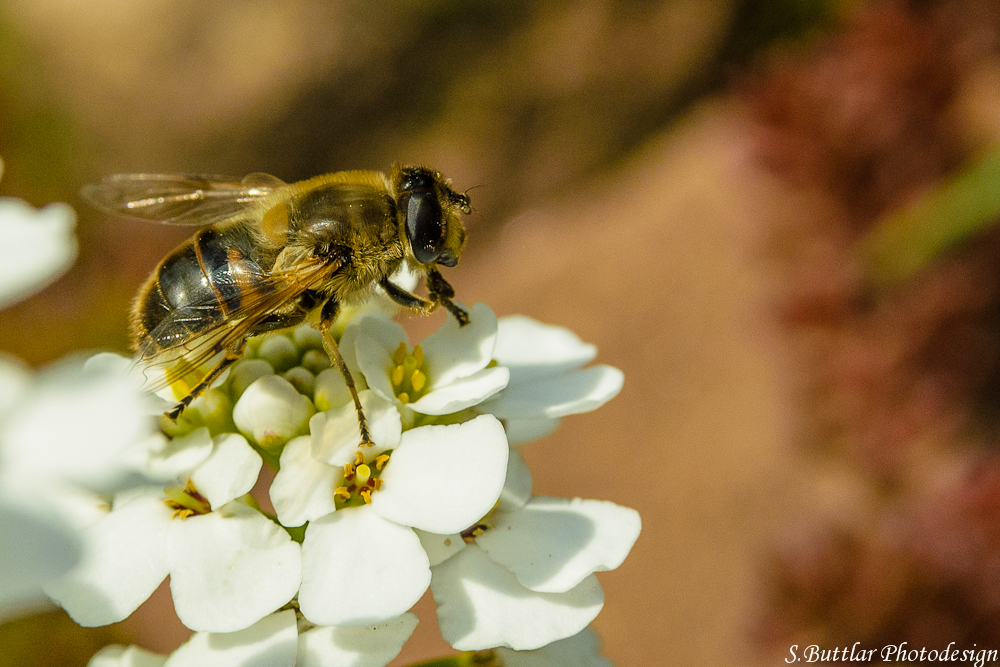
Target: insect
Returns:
[[273, 255]]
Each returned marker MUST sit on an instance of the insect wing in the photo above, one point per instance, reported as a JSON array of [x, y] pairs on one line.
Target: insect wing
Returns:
[[179, 199]]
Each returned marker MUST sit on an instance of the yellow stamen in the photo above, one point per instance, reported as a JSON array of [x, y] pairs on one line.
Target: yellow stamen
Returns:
[[359, 458], [418, 354], [367, 495], [342, 493], [400, 354], [381, 460], [364, 474], [404, 398], [397, 376], [418, 380], [349, 470], [378, 483]]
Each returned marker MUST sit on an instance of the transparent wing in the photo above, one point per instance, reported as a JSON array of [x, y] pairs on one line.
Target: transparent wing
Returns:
[[183, 347], [179, 199]]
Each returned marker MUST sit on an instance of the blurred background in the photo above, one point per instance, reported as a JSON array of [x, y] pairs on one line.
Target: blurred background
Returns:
[[776, 216]]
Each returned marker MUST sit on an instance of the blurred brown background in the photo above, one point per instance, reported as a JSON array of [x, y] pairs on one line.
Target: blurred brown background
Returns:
[[681, 182]]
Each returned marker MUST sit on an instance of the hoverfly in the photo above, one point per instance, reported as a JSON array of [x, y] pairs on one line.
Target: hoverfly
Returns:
[[273, 255]]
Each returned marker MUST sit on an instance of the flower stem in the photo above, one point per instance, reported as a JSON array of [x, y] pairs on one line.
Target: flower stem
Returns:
[[467, 659], [909, 239]]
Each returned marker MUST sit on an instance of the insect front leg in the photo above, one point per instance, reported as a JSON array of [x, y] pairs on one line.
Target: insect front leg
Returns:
[[443, 293], [327, 317], [233, 355]]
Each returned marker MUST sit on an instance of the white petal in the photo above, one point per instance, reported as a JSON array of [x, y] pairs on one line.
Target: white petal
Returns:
[[126, 656], [15, 378], [531, 349], [560, 395], [166, 459], [383, 336], [481, 605], [552, 544], [331, 391], [231, 568], [359, 569], [520, 431], [75, 423], [303, 488], [580, 650], [34, 549], [229, 472], [247, 371], [124, 561], [279, 351], [440, 548], [368, 646], [442, 479], [270, 642], [454, 352], [517, 487], [463, 392], [335, 434], [35, 247], [271, 412], [375, 362]]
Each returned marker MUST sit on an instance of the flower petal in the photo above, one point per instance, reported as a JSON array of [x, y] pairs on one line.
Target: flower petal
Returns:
[[381, 335], [303, 488], [520, 431], [35, 549], [440, 548], [481, 605], [36, 247], [123, 563], [552, 544], [229, 472], [15, 378], [126, 656], [532, 349], [368, 646], [442, 479], [271, 412], [580, 650], [454, 352], [558, 396], [336, 435], [271, 641], [359, 569], [463, 392], [517, 486], [231, 568], [166, 459]]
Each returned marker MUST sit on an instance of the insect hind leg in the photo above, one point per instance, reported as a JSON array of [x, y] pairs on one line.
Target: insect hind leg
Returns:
[[327, 317], [232, 356]]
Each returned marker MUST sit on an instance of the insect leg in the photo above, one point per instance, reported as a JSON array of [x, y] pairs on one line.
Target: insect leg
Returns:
[[443, 293], [232, 356], [327, 316], [406, 299]]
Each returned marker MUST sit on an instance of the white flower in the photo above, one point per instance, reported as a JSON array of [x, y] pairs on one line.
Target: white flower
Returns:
[[547, 378], [527, 580], [275, 641], [36, 247], [62, 431], [448, 371], [362, 562], [580, 650], [271, 411], [229, 565]]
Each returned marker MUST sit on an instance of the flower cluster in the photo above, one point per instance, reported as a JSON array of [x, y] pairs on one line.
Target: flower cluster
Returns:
[[437, 500], [62, 431]]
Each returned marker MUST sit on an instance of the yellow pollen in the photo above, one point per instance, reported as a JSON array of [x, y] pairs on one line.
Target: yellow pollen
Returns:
[[418, 380], [397, 376], [367, 495], [378, 483], [342, 493], [381, 460], [404, 398], [349, 470], [418, 354], [359, 458], [364, 474], [400, 354]]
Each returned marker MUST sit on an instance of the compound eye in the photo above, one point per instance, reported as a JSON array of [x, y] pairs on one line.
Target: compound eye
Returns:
[[424, 227]]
